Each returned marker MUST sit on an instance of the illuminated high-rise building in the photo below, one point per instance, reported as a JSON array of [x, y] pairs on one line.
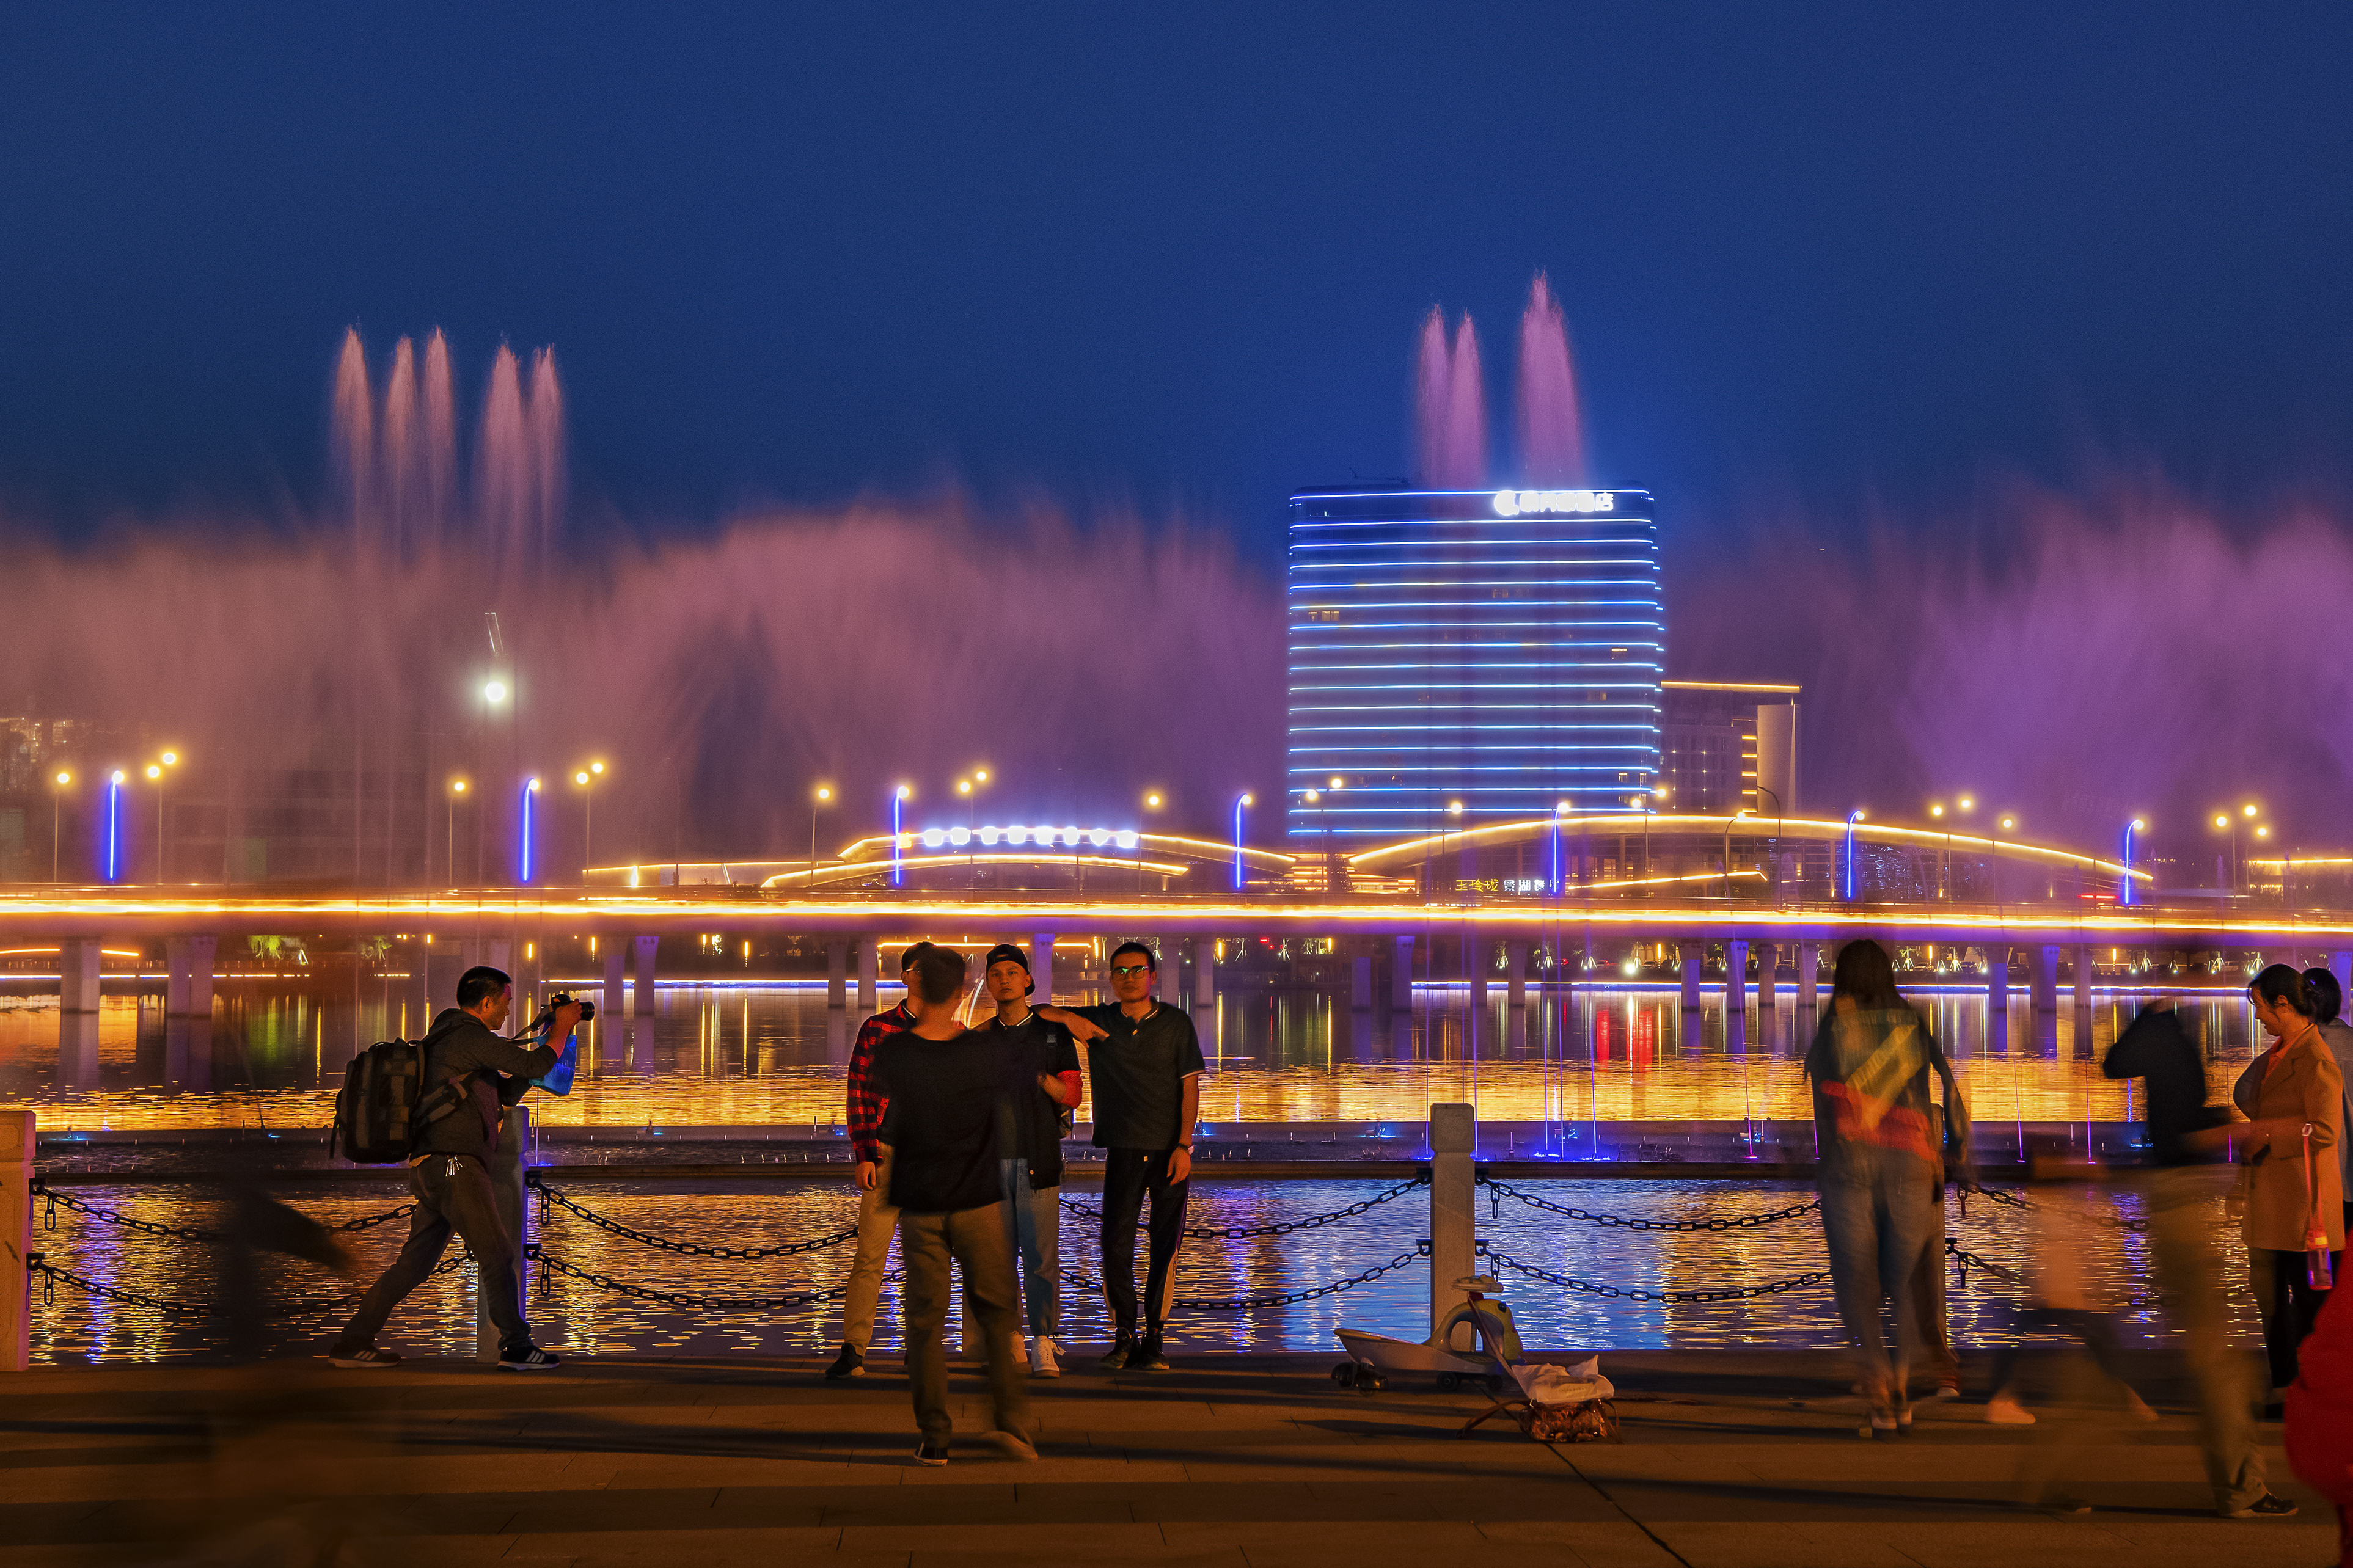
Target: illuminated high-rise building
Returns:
[[1498, 649]]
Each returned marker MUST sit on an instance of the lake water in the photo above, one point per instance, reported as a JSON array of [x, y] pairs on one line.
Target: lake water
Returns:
[[773, 1056]]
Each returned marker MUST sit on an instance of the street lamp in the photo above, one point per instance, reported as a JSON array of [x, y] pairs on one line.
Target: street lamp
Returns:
[[156, 774], [449, 844], [898, 798], [1151, 800], [586, 779], [57, 816], [1852, 818], [530, 800], [114, 824], [494, 693], [1240, 800], [1559, 810], [820, 798], [2124, 887]]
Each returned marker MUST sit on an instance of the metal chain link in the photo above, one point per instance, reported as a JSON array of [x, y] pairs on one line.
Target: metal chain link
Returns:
[[1289, 1299], [2013, 1200], [1736, 1293], [682, 1298], [53, 1199], [688, 1248], [50, 1274], [1499, 1190], [1281, 1227]]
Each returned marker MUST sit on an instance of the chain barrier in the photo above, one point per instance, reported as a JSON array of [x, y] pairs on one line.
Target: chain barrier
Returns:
[[50, 1274], [534, 1252], [1734, 1293], [1281, 1227], [52, 1200], [2013, 1200], [548, 1194], [1260, 1303], [1499, 1190]]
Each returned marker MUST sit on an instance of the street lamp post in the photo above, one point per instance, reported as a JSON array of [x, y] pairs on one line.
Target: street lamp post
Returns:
[[2124, 884], [586, 779], [818, 799], [156, 773], [56, 817], [114, 824], [449, 844], [1151, 804], [1852, 818], [898, 798], [1240, 800]]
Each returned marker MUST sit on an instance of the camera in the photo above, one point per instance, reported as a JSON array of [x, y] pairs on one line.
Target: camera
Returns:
[[565, 999]]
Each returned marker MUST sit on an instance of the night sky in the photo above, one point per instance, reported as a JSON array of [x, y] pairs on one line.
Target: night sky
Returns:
[[1850, 255]]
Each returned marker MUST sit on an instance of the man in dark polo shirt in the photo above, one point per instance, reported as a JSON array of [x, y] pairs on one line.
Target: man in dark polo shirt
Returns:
[[1147, 1066], [1043, 1087], [942, 1084]]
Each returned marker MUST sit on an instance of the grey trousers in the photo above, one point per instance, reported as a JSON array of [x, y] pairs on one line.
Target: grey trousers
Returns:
[[877, 1220], [2183, 1216], [976, 1240], [1876, 1218]]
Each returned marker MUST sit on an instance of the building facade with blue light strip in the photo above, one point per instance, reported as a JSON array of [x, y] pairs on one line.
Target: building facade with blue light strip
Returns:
[[1501, 649]]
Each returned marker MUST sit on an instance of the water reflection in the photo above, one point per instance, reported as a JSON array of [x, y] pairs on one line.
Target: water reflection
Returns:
[[274, 1056]]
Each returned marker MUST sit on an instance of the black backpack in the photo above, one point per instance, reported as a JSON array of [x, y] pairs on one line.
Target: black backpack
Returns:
[[384, 1107]]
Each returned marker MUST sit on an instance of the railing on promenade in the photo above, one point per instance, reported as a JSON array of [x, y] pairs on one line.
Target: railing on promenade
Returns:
[[541, 1226]]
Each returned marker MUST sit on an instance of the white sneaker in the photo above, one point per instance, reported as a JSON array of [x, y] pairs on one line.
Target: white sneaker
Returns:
[[1041, 1358]]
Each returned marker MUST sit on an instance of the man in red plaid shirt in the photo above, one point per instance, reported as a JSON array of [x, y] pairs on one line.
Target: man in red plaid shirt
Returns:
[[877, 1220]]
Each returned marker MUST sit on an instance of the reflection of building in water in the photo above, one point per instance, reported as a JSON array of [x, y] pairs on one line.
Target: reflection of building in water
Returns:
[[1724, 745]]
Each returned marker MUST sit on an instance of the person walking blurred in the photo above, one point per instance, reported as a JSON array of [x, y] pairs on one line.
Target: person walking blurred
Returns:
[[1878, 1162], [877, 1220], [2293, 1096]]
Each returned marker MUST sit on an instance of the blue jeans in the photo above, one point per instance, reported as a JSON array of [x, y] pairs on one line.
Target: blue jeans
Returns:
[[1033, 1226], [1876, 1216]]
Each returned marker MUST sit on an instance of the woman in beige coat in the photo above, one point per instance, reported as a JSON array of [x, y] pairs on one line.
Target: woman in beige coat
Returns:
[[2293, 1096]]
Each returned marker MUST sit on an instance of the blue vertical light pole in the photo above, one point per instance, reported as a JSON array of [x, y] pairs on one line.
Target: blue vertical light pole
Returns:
[[2124, 884], [898, 798], [530, 796], [1557, 813], [115, 825], [1240, 800], [1852, 817]]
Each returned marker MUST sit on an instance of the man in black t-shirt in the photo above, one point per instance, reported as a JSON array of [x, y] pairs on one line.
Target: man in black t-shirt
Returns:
[[943, 1083], [1146, 1064], [1042, 1086]]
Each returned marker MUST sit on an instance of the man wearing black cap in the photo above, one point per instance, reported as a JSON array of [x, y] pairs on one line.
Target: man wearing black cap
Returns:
[[877, 1220], [1043, 1087]]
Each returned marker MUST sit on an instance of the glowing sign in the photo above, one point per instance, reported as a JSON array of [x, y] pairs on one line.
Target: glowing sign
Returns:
[[1515, 503]]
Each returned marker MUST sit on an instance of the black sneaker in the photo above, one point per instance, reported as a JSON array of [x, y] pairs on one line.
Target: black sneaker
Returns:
[[366, 1356], [1147, 1356], [931, 1453], [1120, 1355], [531, 1360], [850, 1363], [2269, 1506]]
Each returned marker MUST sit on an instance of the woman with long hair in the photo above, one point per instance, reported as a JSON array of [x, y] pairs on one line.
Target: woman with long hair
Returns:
[[2293, 1096], [1880, 1161]]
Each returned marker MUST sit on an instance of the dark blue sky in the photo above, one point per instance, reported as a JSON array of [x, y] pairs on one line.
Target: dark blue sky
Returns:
[[1176, 254]]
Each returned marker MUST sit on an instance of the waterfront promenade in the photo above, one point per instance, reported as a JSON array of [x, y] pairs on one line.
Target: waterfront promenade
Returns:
[[1729, 1458]]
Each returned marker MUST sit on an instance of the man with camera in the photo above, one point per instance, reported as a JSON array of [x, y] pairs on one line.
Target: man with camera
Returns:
[[472, 1074]]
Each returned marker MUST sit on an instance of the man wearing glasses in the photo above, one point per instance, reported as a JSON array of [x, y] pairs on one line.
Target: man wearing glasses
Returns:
[[1146, 1064]]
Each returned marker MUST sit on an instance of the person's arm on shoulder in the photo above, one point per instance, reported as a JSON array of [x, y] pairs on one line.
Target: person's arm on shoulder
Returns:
[[1080, 1021]]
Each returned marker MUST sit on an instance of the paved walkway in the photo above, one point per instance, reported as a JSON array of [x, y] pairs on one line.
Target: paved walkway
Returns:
[[1730, 1458]]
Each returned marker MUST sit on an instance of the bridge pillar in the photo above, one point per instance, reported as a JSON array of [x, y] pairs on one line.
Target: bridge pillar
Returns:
[[2341, 965], [870, 961], [1769, 965], [1171, 971], [2080, 961], [837, 971], [2046, 979], [1997, 998], [1401, 975], [1516, 973], [1474, 966], [615, 953], [1809, 957], [1204, 972], [642, 999], [1360, 982], [1692, 954], [190, 993], [499, 953], [78, 968], [1042, 967], [1736, 977]]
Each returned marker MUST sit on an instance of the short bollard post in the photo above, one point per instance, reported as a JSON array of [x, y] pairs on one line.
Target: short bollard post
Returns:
[[1453, 1225], [507, 1191], [15, 1240]]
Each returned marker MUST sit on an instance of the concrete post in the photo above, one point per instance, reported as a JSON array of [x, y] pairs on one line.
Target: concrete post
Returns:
[[1453, 1218], [1360, 982], [1401, 975], [17, 1140], [1736, 978], [1997, 998], [1692, 954], [1041, 966], [1809, 958], [78, 970], [869, 962], [1171, 974], [1515, 974], [1204, 972], [175, 976], [1474, 966], [2046, 979], [506, 1192], [1769, 965], [837, 971], [615, 952], [641, 991], [2081, 962]]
